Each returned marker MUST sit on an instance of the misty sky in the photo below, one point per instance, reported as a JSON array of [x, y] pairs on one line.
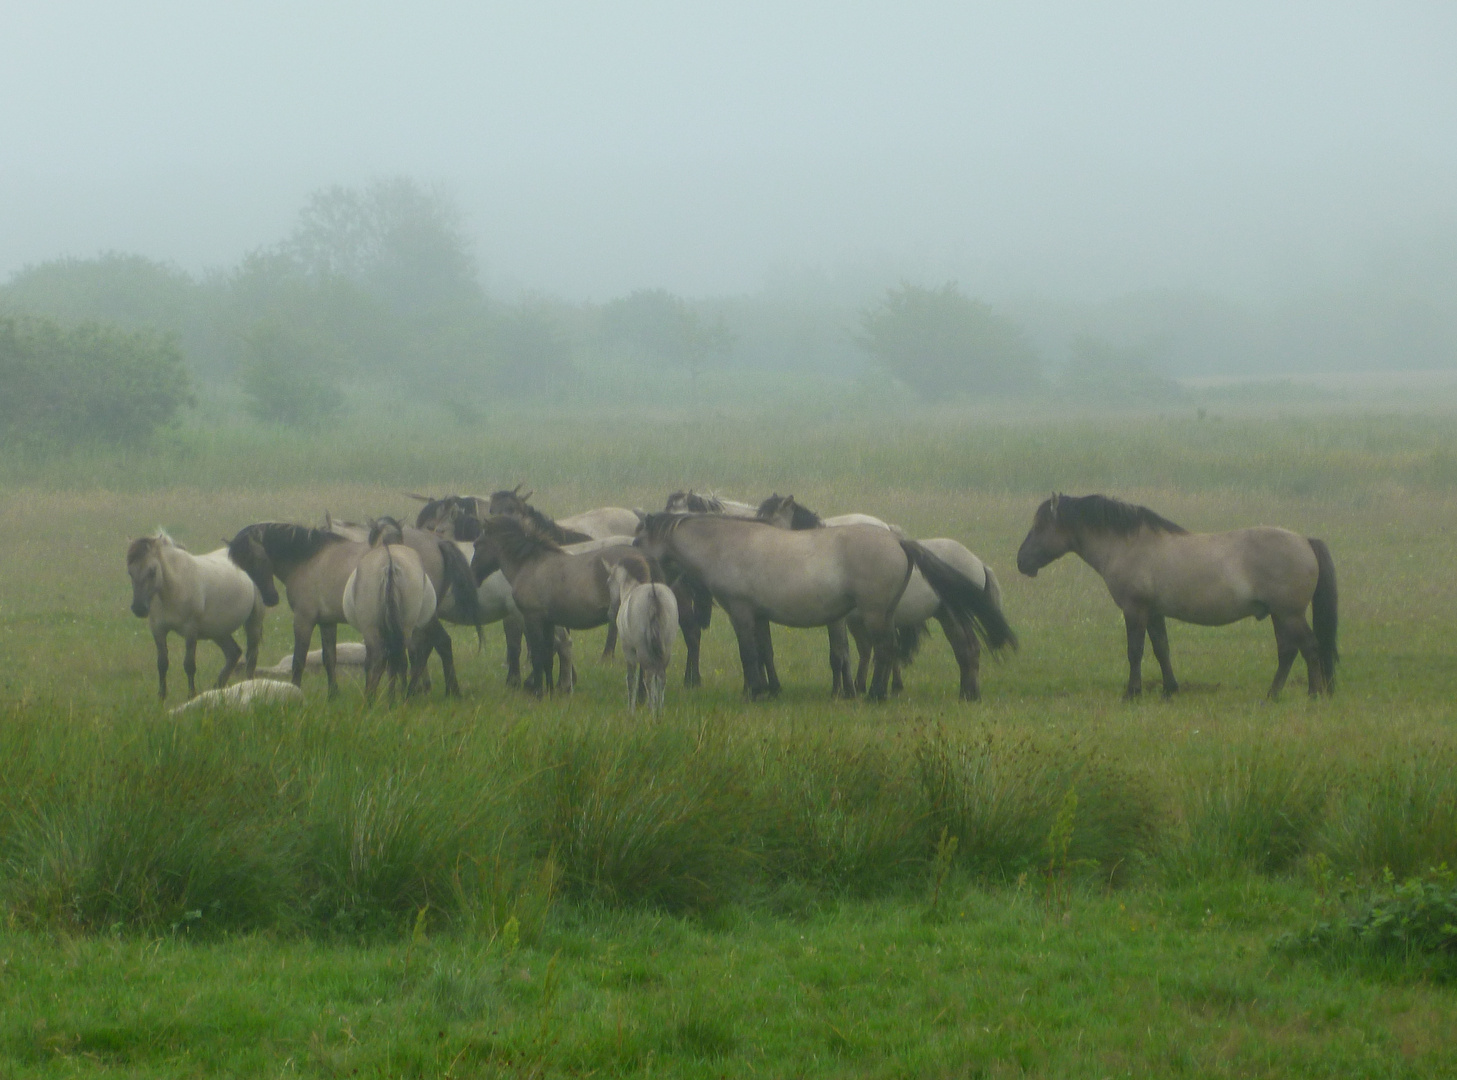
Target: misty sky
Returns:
[[598, 147]]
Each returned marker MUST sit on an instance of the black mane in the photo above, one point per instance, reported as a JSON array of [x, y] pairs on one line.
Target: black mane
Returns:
[[1100, 513], [800, 517], [515, 505], [519, 537], [386, 528], [284, 540]]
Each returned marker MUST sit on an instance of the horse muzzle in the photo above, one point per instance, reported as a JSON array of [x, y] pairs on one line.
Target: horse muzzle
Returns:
[[141, 610]]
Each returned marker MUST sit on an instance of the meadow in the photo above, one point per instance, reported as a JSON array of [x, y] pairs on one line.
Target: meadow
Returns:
[[1048, 882]]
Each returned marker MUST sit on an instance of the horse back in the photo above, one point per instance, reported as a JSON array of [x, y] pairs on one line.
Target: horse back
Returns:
[[316, 587]]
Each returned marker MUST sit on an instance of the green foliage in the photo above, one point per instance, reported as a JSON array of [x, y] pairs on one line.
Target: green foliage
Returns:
[[86, 383], [283, 379], [1412, 920], [940, 341], [656, 326], [1102, 371]]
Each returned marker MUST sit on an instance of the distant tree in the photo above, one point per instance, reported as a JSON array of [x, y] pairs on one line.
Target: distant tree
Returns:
[[940, 341], [401, 242], [531, 356], [1098, 368], [655, 325], [86, 383], [283, 378]]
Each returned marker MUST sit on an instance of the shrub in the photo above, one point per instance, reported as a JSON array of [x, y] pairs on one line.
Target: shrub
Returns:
[[86, 383]]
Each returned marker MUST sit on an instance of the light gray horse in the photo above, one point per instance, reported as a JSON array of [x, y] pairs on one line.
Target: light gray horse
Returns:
[[760, 574], [647, 615], [197, 596], [1156, 570], [390, 600]]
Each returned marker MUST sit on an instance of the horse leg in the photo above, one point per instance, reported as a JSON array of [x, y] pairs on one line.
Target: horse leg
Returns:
[[765, 643], [609, 649], [1158, 637], [1136, 623], [303, 633], [329, 643], [742, 619], [631, 687], [231, 655], [896, 683], [841, 684], [883, 653], [161, 641], [373, 669], [566, 668], [692, 632], [967, 651], [446, 648], [253, 636], [417, 663], [866, 648], [189, 665], [511, 627]]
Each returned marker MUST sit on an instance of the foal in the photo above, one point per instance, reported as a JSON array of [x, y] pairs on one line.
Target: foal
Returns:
[[646, 616]]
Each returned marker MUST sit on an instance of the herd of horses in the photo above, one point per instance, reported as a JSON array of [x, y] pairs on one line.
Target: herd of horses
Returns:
[[651, 576]]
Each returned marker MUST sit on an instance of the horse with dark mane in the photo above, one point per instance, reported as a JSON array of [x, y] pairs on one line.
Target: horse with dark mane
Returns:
[[918, 604], [1157, 570], [761, 574], [551, 587], [596, 524]]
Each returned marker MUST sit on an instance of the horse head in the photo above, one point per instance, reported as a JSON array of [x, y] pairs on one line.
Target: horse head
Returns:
[[1047, 540], [144, 567], [385, 530], [509, 502], [250, 555]]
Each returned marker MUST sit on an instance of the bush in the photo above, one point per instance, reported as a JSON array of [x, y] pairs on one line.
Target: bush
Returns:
[[86, 383]]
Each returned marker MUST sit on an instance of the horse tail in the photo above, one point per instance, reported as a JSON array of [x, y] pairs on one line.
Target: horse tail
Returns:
[[963, 596], [461, 582], [392, 622], [908, 642], [658, 634], [1323, 611]]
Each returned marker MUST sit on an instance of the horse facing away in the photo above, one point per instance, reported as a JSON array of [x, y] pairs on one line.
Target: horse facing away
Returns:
[[918, 604], [390, 600], [647, 613], [1156, 570], [197, 596], [551, 587], [761, 574]]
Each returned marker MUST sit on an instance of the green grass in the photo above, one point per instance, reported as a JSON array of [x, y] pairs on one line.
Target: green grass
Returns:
[[510, 886]]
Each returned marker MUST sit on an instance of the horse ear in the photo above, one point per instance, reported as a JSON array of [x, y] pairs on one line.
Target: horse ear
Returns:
[[527, 495], [421, 498], [517, 489]]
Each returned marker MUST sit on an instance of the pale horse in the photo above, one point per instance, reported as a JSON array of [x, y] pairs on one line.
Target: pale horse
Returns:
[[390, 600], [197, 596], [647, 621]]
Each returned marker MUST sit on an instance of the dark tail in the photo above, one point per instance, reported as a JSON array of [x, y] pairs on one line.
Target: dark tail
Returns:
[[1323, 612], [908, 642], [461, 581], [392, 626], [963, 596]]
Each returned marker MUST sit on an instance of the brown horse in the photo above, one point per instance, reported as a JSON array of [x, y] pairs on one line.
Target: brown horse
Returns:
[[1156, 570], [551, 587]]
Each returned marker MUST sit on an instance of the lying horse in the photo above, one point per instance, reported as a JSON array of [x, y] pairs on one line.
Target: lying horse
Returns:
[[346, 654], [760, 574], [243, 695], [550, 586], [1155, 570], [197, 596], [918, 604], [390, 600]]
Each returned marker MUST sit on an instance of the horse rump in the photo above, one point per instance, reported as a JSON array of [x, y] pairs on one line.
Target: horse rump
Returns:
[[963, 596]]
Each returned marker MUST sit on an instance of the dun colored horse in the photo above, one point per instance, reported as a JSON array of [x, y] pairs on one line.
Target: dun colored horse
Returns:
[[918, 604], [197, 596], [551, 587], [390, 600], [1156, 570], [761, 574]]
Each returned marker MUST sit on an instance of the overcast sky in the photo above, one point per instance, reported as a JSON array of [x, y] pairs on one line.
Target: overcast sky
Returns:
[[1073, 148]]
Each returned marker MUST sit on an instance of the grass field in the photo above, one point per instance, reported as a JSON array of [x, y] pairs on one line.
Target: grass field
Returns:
[[1050, 882]]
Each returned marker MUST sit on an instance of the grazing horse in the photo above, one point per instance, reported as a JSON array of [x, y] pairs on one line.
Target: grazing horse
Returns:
[[1155, 570], [390, 600], [646, 615], [917, 605], [197, 596], [313, 565], [760, 574], [551, 587]]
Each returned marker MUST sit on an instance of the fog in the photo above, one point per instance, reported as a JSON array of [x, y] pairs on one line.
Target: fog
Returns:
[[1065, 148]]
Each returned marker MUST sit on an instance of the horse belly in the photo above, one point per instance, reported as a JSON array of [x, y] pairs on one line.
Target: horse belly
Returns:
[[809, 601]]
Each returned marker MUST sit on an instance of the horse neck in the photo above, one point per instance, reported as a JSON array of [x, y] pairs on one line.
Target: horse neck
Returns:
[[1101, 548]]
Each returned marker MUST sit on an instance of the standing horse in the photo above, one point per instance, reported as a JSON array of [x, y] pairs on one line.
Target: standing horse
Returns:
[[313, 565], [917, 605], [646, 615], [197, 596], [693, 502], [760, 574], [596, 524], [550, 586], [390, 600], [1155, 570]]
